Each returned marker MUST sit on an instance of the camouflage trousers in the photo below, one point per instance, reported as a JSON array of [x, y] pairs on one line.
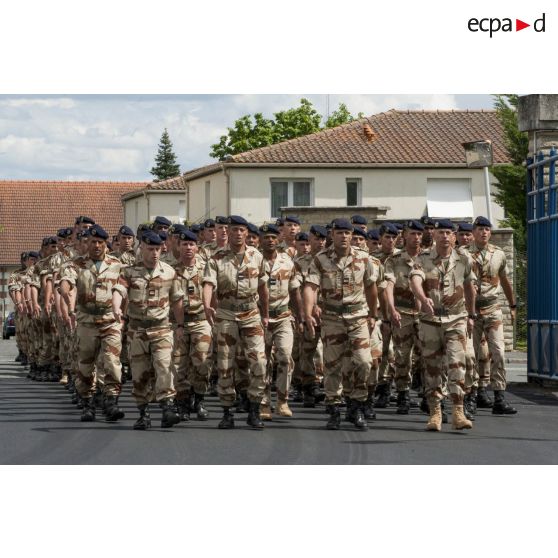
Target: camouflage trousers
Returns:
[[406, 343], [279, 336], [347, 358], [65, 351], [49, 347], [192, 359], [95, 341], [444, 340], [491, 357], [150, 361], [471, 368], [376, 348], [35, 339], [247, 336], [386, 371], [308, 357]]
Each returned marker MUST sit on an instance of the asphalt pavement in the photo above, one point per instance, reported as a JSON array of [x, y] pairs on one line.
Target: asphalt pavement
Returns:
[[39, 425]]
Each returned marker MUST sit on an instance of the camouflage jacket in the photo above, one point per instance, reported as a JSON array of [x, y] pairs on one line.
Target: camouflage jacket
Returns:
[[236, 285], [282, 278], [168, 258], [15, 281], [289, 250], [191, 283], [381, 256], [443, 282], [93, 287], [127, 258], [149, 293], [396, 271], [342, 281]]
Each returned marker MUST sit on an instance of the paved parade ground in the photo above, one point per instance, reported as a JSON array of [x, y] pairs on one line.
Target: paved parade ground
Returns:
[[39, 425]]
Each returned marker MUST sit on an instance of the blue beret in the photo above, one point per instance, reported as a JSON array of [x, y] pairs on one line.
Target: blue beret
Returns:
[[389, 228], [209, 223], [414, 225], [152, 238], [163, 235], [443, 224], [279, 222], [177, 229], [202, 226], [328, 227], [319, 231], [143, 227], [126, 231], [359, 232], [237, 220], [302, 236], [465, 227], [33, 255], [253, 229], [373, 234], [188, 235], [65, 233], [220, 220], [83, 219], [425, 220], [195, 228], [482, 222], [292, 219], [23, 255], [358, 220], [98, 232], [160, 220], [341, 225], [399, 226], [84, 234], [49, 240], [115, 238], [269, 229]]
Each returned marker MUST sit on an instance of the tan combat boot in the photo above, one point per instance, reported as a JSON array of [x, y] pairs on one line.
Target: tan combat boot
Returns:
[[64, 378], [458, 419], [283, 409], [435, 422], [265, 412]]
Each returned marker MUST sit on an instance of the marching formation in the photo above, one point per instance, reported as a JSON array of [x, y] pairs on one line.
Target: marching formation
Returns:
[[260, 316]]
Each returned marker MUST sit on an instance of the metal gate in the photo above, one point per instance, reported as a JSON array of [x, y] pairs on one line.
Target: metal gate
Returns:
[[542, 266]]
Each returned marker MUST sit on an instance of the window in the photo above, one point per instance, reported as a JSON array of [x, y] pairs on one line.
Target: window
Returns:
[[354, 195], [293, 193], [449, 197], [207, 199], [182, 210]]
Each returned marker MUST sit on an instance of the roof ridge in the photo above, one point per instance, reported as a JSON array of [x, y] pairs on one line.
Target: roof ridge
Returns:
[[7, 180]]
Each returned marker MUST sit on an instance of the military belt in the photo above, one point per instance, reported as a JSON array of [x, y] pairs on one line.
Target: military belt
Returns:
[[405, 303], [194, 317], [238, 306], [145, 324], [485, 303], [278, 311], [94, 311], [344, 308], [441, 312]]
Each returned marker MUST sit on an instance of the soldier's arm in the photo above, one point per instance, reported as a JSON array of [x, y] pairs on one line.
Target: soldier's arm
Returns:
[[394, 314], [263, 294], [371, 293], [35, 301], [415, 282], [507, 288]]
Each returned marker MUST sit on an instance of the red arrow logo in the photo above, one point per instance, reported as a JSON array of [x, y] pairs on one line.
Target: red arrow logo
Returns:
[[519, 25]]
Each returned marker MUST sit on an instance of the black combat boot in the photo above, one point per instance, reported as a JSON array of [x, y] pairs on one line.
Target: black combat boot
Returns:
[[358, 415], [99, 398], [55, 373], [144, 421], [75, 397], [444, 414], [369, 413], [183, 406], [201, 412], [170, 416], [42, 375], [470, 404], [32, 371], [88, 410], [243, 405], [349, 410], [501, 406], [254, 419], [334, 422], [298, 395], [79, 402], [227, 422], [24, 361], [403, 402], [382, 399], [112, 411], [424, 407], [309, 401], [483, 401]]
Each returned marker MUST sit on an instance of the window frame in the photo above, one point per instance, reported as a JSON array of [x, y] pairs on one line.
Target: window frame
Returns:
[[359, 191], [290, 192]]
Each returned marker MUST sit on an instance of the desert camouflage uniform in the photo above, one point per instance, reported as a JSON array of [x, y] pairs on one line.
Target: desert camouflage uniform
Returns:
[[488, 265], [97, 329], [149, 294], [192, 353], [127, 258], [238, 319], [446, 331], [15, 285], [289, 250], [282, 278], [345, 331]]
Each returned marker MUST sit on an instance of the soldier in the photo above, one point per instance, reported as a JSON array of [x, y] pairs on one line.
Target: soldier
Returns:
[[403, 312], [15, 288], [125, 251], [347, 279], [492, 272], [151, 287], [253, 238], [99, 331], [373, 241], [427, 238], [302, 245], [192, 350], [236, 275], [359, 222], [359, 239], [161, 224], [442, 281], [291, 227], [209, 232], [284, 294]]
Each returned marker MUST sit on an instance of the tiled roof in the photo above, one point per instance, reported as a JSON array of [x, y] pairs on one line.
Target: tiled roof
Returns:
[[31, 210], [393, 138], [176, 183]]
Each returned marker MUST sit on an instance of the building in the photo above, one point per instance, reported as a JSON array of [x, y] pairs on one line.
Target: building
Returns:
[[410, 162]]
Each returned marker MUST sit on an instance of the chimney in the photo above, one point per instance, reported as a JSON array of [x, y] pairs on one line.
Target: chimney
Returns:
[[369, 133]]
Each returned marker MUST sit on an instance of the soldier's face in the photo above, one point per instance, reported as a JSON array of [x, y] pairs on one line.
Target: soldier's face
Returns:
[[252, 240], [413, 239], [125, 242], [221, 232], [342, 239], [464, 238], [302, 247], [161, 228], [317, 243], [388, 242], [150, 254], [269, 242], [97, 248], [290, 230], [358, 241], [361, 227], [188, 250], [51, 249], [400, 241], [373, 245], [427, 234], [443, 237], [83, 246], [237, 235], [482, 234], [210, 235]]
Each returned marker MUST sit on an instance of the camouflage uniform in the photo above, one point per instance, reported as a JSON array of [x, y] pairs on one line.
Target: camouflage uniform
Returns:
[[15, 285], [238, 319], [345, 331], [445, 331], [97, 329], [149, 294]]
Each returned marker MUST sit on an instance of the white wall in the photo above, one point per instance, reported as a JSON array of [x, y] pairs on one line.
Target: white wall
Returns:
[[135, 212], [403, 190], [196, 208], [148, 207]]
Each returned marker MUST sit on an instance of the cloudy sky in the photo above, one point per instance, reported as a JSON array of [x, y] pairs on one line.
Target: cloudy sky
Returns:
[[115, 137]]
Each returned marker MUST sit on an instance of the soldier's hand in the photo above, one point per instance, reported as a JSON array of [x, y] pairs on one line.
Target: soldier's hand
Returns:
[[311, 325], [470, 326], [117, 314], [317, 313], [371, 324], [48, 307], [265, 322], [427, 306], [300, 326], [73, 321], [36, 311], [396, 319], [210, 314], [513, 314]]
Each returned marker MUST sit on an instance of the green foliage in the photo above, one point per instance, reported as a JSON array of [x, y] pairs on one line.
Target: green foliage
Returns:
[[165, 161], [252, 132]]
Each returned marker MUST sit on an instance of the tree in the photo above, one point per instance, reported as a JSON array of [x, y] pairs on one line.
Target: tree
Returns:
[[165, 161], [251, 132]]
